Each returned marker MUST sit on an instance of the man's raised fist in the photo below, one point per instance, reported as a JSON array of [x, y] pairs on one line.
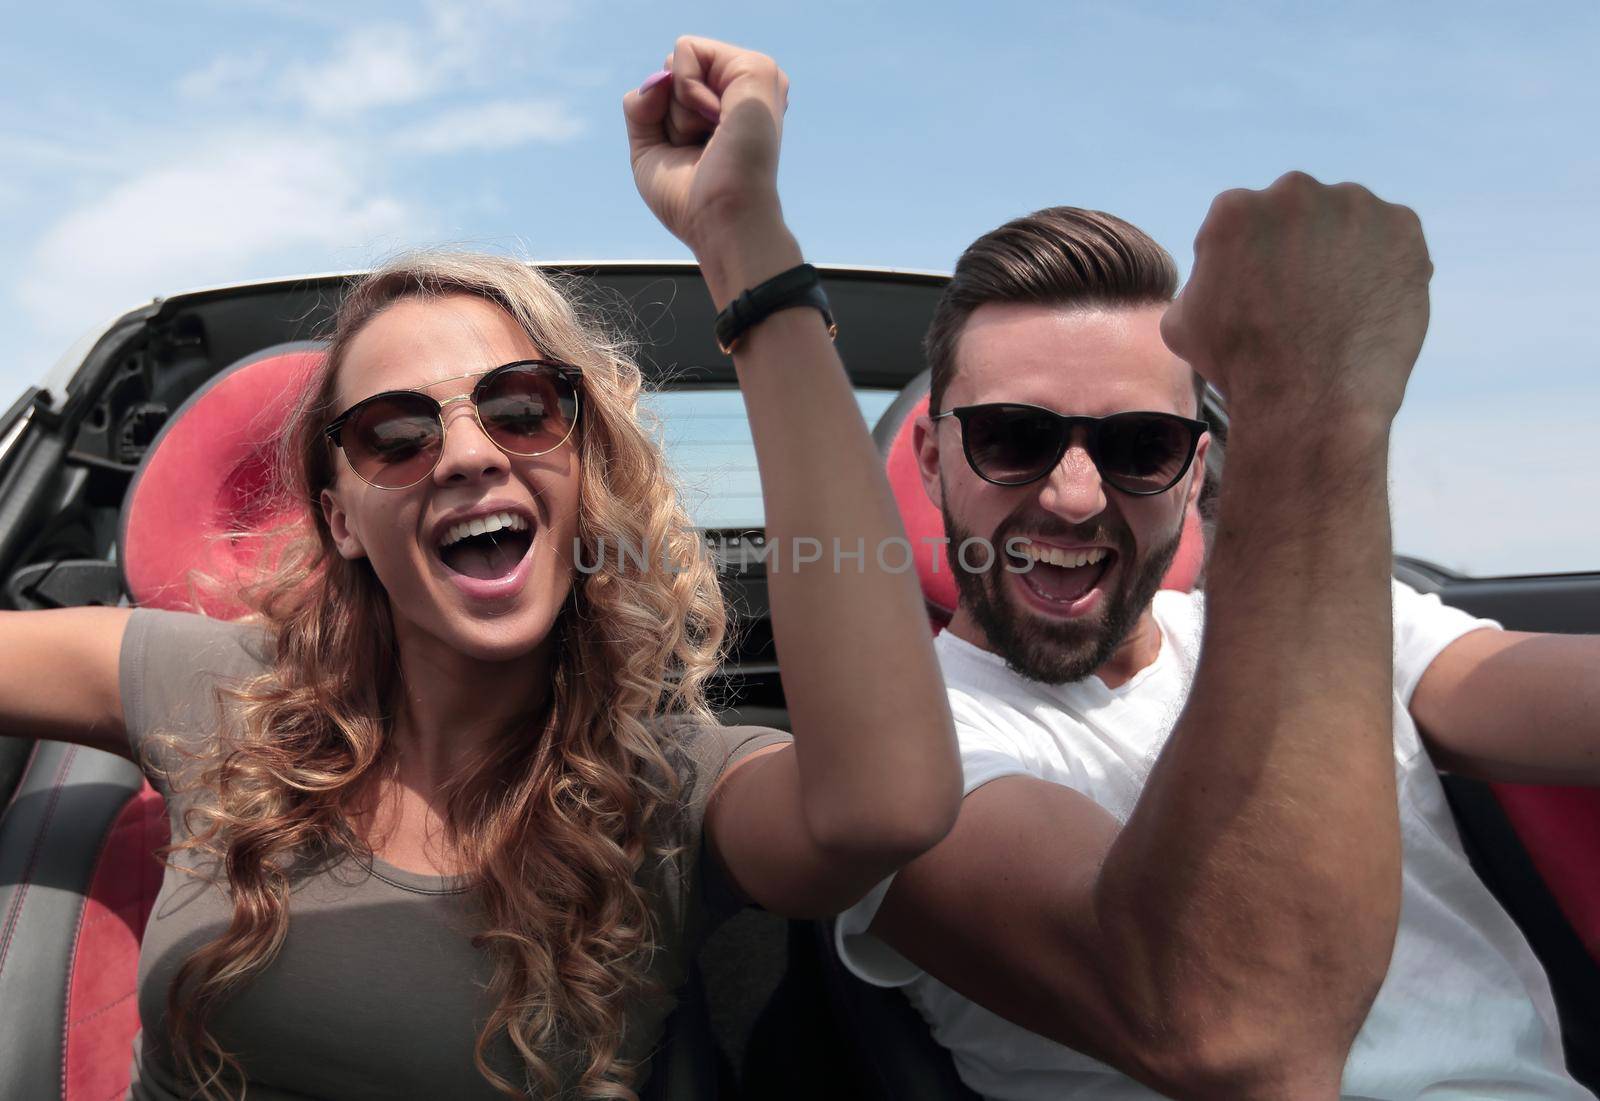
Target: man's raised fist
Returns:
[[1305, 300]]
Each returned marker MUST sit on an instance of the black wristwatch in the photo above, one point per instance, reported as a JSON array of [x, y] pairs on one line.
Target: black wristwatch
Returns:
[[799, 286]]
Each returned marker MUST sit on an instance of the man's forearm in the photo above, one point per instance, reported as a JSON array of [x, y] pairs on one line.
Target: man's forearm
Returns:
[[1515, 707], [1256, 885], [1250, 903]]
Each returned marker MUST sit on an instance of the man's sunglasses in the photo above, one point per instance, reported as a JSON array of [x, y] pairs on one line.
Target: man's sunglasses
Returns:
[[393, 440], [1138, 453]]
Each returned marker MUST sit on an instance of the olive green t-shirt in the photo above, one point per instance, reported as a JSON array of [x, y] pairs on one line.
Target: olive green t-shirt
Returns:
[[377, 991]]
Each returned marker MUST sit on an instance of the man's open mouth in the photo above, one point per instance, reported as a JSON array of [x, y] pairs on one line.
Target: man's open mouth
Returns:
[[1057, 575], [486, 547]]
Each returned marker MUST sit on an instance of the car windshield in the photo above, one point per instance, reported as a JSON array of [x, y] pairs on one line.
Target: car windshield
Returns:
[[707, 441]]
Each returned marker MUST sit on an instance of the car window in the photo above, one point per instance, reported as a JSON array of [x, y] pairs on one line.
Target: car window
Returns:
[[707, 441]]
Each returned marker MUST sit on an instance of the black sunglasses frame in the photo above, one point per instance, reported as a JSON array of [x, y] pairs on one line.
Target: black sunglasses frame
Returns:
[[1065, 425], [566, 371]]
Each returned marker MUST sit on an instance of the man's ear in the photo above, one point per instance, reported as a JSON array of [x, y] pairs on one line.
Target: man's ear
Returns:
[[925, 442], [346, 540], [1197, 469]]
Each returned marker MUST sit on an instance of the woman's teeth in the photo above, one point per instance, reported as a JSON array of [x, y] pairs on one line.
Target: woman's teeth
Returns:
[[483, 525], [1055, 556]]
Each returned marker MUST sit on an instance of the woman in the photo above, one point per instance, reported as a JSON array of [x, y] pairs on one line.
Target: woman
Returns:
[[438, 824]]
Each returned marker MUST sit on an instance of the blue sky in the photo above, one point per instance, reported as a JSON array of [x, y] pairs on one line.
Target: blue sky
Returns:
[[154, 147]]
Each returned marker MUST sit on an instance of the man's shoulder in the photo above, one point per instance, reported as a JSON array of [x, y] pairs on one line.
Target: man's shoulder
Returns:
[[1172, 603], [1181, 615], [965, 665]]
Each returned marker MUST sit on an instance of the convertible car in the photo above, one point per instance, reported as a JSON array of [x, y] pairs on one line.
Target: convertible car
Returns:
[[143, 457]]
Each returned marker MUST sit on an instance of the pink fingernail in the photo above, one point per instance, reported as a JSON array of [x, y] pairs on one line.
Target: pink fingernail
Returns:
[[710, 115], [653, 79]]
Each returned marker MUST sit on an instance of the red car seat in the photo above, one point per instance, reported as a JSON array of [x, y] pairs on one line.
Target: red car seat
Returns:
[[1538, 849], [193, 519], [77, 842], [1560, 828]]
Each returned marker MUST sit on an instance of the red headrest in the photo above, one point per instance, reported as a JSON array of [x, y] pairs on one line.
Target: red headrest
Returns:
[[925, 527], [205, 486], [1560, 829]]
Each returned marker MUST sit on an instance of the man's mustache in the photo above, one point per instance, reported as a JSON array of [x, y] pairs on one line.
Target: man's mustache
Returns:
[[1056, 529]]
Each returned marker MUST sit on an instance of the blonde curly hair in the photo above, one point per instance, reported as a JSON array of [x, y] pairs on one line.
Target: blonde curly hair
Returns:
[[552, 825]]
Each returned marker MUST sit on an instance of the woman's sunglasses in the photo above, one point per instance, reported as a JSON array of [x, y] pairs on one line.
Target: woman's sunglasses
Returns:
[[393, 440], [1138, 453]]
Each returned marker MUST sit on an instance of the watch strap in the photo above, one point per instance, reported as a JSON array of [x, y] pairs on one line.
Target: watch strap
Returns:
[[800, 286]]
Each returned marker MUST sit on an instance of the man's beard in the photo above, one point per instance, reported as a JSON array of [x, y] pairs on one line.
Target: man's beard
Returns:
[[1059, 651]]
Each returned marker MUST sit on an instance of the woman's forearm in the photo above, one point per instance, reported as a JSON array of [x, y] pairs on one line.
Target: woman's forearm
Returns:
[[880, 774]]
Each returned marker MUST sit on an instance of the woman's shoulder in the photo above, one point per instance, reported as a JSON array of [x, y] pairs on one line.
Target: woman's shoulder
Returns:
[[188, 630], [172, 662], [701, 751]]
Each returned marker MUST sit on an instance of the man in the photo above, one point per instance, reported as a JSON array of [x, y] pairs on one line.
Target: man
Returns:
[[1222, 870]]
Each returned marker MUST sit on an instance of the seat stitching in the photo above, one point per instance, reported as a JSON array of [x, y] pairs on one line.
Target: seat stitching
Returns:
[[33, 857], [155, 816], [107, 1008], [104, 913], [77, 936], [22, 893], [22, 781]]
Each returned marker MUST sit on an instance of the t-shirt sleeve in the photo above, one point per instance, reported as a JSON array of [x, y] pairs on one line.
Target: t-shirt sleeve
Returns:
[[170, 667], [713, 751], [988, 752], [1423, 626], [989, 749]]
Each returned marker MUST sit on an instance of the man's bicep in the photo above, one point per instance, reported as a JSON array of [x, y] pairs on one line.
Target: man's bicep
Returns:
[[1003, 911]]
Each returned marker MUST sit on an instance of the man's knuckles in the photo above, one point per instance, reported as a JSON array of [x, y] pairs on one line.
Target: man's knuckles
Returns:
[[1295, 182], [1175, 332], [1225, 218]]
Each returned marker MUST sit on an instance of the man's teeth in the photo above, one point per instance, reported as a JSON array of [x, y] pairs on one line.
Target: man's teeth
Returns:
[[481, 525], [1055, 556]]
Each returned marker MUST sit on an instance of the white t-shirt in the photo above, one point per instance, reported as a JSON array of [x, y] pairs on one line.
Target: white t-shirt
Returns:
[[1465, 1011]]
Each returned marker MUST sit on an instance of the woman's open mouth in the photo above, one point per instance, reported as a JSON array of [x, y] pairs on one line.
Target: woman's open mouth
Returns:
[[485, 555]]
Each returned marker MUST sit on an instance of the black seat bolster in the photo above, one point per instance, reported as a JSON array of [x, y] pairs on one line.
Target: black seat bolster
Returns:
[[889, 1039], [50, 837], [686, 1065]]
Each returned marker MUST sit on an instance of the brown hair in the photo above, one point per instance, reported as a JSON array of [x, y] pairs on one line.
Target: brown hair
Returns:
[[558, 825], [1061, 255]]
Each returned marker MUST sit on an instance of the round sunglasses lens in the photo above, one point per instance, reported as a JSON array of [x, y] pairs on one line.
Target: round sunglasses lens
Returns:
[[527, 410], [1143, 452], [1012, 444], [393, 441]]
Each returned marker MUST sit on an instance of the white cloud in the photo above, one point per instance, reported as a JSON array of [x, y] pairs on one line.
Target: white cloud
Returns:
[[293, 178], [224, 75], [240, 207], [501, 124], [380, 66], [391, 64]]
